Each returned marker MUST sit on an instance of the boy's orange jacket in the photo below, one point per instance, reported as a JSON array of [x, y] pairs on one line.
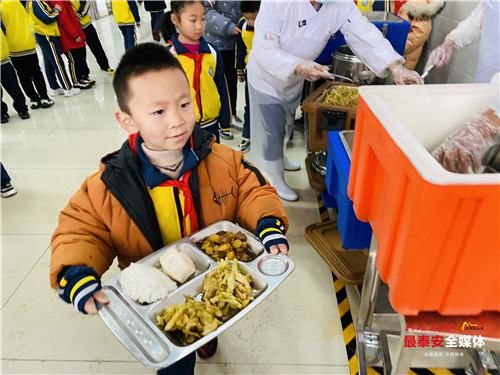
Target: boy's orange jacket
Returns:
[[112, 214]]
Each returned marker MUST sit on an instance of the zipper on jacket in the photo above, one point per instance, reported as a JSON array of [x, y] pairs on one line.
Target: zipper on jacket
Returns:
[[180, 213]]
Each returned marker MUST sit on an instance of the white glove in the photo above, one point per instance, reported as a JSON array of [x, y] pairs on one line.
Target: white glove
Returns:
[[441, 55], [404, 76], [312, 71]]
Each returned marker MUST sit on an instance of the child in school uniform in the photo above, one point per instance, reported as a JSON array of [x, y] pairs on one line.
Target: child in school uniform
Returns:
[[168, 180], [81, 8], [9, 82], [249, 11], [43, 20], [182, 28], [126, 15], [16, 26], [73, 44]]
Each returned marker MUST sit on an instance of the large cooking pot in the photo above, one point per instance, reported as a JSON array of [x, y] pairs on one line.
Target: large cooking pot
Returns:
[[346, 64]]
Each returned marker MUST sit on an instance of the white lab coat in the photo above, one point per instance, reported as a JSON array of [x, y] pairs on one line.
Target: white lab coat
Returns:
[[483, 24], [290, 32]]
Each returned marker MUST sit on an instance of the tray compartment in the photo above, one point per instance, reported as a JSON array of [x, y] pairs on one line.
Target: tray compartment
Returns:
[[254, 244], [194, 290]]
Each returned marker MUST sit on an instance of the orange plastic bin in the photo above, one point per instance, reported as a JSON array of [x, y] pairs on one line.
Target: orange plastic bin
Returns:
[[438, 232]]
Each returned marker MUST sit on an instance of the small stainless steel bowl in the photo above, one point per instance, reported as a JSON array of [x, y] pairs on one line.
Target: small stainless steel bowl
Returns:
[[273, 265]]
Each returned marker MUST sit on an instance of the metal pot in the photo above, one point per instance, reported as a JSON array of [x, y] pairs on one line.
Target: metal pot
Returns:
[[345, 63]]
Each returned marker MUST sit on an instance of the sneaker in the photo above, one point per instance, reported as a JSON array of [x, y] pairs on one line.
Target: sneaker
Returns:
[[36, 105], [47, 103], [8, 190], [56, 92], [108, 70], [72, 92], [5, 118], [82, 86], [24, 115], [88, 81], [208, 350], [244, 145], [225, 134]]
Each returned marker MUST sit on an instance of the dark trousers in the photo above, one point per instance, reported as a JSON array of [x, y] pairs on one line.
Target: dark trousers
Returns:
[[10, 83], [92, 40], [30, 76], [183, 367], [78, 64], [54, 64], [228, 58], [213, 129], [155, 20], [6, 179], [246, 115], [128, 33]]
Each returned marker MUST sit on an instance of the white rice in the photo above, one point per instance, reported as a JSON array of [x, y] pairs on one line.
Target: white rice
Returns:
[[145, 284]]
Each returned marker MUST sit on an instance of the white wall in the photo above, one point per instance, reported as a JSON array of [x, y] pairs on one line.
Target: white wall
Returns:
[[463, 64]]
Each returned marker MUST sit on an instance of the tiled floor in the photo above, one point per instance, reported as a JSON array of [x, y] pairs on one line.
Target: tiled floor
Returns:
[[295, 331]]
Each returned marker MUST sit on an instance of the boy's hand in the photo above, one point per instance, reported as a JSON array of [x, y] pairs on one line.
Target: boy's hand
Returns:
[[271, 232], [90, 306], [276, 249], [78, 285], [235, 31], [78, 39], [58, 7]]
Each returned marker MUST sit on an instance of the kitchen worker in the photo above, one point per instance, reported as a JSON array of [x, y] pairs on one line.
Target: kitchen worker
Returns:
[[483, 24], [288, 37]]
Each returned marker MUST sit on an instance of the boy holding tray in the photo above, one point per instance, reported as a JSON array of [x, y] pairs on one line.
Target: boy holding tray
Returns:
[[168, 180]]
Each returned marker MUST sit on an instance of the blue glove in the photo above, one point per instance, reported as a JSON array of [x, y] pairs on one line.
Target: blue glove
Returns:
[[77, 284], [271, 231]]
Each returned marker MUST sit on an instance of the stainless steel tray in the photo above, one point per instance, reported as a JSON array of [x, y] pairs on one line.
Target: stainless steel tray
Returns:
[[134, 325]]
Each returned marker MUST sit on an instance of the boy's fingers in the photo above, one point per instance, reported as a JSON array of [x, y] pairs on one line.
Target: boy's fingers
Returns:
[[283, 248], [101, 297], [274, 249], [90, 307]]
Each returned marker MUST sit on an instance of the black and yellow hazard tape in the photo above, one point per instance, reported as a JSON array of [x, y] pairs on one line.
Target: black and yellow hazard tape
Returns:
[[349, 330]]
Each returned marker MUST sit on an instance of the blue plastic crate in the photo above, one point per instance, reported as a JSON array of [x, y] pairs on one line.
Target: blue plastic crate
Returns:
[[395, 29], [354, 233]]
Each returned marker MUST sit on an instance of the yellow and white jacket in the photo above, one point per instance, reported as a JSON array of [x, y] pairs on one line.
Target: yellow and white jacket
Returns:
[[205, 73], [16, 26]]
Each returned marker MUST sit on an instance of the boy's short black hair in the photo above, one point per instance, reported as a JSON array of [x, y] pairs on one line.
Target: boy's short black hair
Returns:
[[249, 6], [141, 59]]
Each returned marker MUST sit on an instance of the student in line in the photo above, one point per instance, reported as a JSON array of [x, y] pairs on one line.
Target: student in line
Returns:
[[22, 47], [183, 29], [43, 19], [81, 8]]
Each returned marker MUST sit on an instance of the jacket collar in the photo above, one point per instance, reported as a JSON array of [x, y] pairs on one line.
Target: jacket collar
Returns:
[[180, 49], [199, 143]]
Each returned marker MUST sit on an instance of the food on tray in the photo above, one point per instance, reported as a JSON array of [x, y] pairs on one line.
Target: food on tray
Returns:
[[228, 245], [227, 288], [145, 284], [177, 265], [461, 151], [342, 96], [191, 320]]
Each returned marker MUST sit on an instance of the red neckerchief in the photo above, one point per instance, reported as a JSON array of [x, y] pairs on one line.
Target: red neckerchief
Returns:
[[183, 185], [197, 59]]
